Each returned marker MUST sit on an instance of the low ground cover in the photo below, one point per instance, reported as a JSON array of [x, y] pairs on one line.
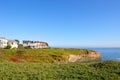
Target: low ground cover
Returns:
[[108, 70]]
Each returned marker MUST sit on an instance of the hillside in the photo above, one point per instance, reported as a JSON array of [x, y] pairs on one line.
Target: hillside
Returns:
[[53, 55], [54, 64]]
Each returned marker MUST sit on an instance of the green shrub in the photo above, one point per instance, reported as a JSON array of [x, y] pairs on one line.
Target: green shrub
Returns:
[[8, 47], [107, 64], [71, 71], [86, 51]]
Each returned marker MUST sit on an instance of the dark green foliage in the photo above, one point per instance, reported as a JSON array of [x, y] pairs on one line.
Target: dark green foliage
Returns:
[[86, 51], [71, 71], [28, 47], [8, 47], [107, 64], [17, 41], [47, 44], [20, 46]]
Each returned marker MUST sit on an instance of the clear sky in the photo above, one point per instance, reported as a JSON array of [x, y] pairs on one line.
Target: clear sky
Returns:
[[62, 23]]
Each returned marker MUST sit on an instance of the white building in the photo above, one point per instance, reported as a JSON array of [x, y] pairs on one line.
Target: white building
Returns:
[[4, 42], [13, 43], [35, 44]]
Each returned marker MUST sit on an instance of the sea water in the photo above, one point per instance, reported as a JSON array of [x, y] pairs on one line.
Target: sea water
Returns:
[[108, 53]]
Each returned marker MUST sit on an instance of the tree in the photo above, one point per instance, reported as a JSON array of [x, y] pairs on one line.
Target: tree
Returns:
[[17, 41], [20, 46], [8, 47], [46, 44]]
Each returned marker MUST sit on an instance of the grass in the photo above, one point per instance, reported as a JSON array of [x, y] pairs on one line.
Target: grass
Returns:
[[43, 64], [40, 55]]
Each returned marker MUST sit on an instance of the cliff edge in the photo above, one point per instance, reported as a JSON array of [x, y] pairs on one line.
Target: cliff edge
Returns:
[[92, 56]]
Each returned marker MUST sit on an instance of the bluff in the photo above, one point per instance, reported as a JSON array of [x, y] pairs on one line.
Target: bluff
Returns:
[[50, 55], [91, 56]]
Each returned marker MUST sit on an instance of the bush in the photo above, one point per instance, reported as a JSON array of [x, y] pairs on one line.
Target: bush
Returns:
[[86, 51], [106, 64], [20, 46], [8, 47], [71, 71]]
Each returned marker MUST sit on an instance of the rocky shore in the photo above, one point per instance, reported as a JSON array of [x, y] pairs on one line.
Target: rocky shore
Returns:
[[92, 56]]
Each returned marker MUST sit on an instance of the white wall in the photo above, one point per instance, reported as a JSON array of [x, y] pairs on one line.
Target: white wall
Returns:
[[3, 43], [13, 44]]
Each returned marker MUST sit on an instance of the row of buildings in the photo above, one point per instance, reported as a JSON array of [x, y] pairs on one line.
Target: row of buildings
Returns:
[[26, 43]]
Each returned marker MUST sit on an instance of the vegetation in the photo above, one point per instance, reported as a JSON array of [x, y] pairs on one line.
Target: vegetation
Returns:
[[17, 41], [43, 64], [108, 70], [20, 46], [8, 47], [53, 55]]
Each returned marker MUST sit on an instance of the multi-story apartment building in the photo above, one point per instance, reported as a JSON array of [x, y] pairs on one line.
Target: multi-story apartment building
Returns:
[[26, 43], [34, 44]]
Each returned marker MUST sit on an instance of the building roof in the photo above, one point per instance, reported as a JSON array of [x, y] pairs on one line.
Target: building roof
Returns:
[[26, 41], [12, 41]]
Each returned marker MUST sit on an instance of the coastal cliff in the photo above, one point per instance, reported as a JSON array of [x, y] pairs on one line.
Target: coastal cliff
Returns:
[[51, 55], [92, 56]]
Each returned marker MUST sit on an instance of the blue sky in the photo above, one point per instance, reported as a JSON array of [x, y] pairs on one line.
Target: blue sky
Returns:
[[62, 23]]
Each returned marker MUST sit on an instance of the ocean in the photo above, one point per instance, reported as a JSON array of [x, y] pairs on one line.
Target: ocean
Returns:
[[108, 53]]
